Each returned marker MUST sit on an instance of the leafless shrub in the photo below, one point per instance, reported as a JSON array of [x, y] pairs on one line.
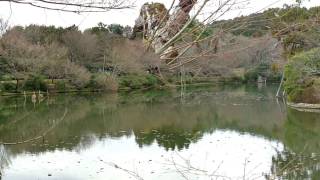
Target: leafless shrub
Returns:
[[78, 75], [131, 57], [105, 82]]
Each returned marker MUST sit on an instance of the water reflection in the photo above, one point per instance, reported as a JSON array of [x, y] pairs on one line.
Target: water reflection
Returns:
[[301, 157], [158, 122], [291, 165]]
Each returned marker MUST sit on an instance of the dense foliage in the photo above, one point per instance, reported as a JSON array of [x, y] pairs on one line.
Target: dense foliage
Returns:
[[303, 77], [298, 31]]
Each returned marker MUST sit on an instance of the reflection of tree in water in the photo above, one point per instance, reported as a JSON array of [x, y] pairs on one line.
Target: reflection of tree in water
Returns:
[[302, 128], [106, 116], [289, 165], [168, 137], [159, 117], [6, 110], [301, 157]]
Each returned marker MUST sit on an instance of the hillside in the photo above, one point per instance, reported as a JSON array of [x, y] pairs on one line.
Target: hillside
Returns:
[[40, 58]]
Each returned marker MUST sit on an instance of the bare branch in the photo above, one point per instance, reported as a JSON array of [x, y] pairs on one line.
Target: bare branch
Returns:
[[76, 6]]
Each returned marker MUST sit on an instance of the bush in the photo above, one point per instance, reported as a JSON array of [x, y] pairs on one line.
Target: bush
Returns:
[[271, 72], [301, 76], [9, 86], [138, 81], [60, 86], [275, 77], [7, 77], [78, 75], [151, 81], [251, 75], [103, 82], [35, 82]]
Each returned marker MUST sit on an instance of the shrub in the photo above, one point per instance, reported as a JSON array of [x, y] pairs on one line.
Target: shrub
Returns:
[[35, 82], [275, 68], [271, 72], [7, 77], [103, 82], [138, 81], [251, 75], [151, 80], [301, 74], [275, 77], [9, 86], [133, 82], [78, 75], [60, 86]]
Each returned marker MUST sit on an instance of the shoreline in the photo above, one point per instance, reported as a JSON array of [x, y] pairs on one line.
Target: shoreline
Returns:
[[123, 89]]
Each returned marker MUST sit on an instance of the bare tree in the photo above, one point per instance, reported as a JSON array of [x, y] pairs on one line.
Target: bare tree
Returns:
[[21, 56], [83, 47], [56, 58]]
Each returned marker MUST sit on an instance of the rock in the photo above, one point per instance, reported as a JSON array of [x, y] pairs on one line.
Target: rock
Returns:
[[305, 107], [158, 28]]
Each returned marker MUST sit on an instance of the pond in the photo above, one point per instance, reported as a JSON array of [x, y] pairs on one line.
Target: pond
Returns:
[[219, 132]]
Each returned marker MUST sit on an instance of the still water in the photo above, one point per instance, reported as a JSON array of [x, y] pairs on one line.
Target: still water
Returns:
[[221, 132]]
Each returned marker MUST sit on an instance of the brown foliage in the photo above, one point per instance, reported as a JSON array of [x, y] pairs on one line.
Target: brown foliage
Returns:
[[78, 75], [131, 57], [83, 48], [23, 57]]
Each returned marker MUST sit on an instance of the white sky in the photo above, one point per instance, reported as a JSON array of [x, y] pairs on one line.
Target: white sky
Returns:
[[25, 15]]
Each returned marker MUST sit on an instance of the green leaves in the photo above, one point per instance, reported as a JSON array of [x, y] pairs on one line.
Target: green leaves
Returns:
[[301, 73]]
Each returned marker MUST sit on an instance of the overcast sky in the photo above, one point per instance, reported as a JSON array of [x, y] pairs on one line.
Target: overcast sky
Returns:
[[24, 14]]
